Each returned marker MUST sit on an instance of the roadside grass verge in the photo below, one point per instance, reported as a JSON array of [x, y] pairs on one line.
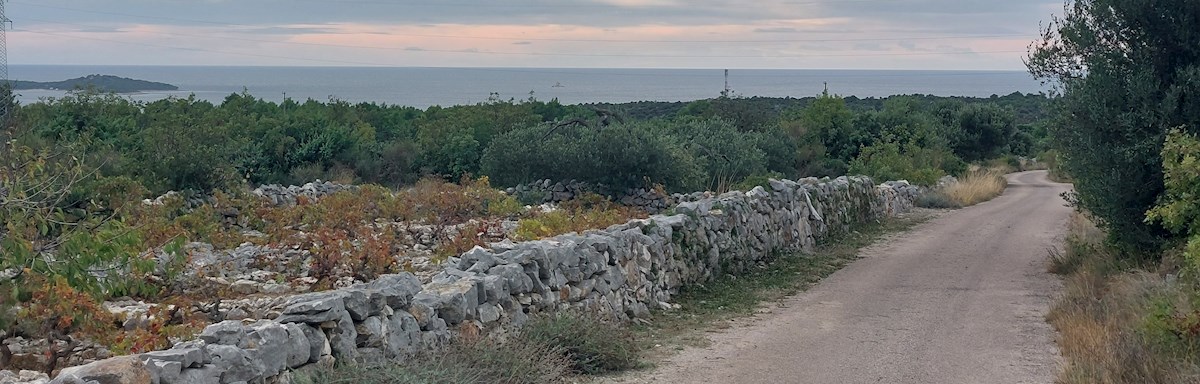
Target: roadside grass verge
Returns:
[[976, 187], [713, 305], [549, 349], [1118, 320]]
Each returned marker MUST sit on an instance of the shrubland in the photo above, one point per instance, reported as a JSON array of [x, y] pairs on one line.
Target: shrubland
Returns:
[[74, 172]]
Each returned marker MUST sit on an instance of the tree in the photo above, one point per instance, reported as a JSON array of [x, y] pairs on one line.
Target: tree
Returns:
[[617, 157], [828, 120], [984, 131], [1125, 72]]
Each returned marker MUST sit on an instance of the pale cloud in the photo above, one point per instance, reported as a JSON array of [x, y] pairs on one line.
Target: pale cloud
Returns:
[[540, 33]]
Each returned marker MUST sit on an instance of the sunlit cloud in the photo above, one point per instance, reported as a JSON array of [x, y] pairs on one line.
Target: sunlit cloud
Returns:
[[948, 34]]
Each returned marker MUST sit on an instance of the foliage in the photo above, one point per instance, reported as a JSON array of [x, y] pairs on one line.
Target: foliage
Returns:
[[619, 157], [1179, 206], [47, 235], [828, 121], [1126, 72], [984, 131], [892, 161], [725, 154], [61, 254]]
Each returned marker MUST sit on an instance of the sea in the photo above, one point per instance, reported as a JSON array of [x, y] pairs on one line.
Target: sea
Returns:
[[424, 87]]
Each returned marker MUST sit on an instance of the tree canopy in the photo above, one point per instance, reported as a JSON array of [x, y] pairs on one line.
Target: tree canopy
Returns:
[[1126, 72]]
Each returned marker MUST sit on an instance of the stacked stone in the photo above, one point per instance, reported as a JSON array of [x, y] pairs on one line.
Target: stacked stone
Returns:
[[648, 200], [289, 195], [624, 271], [548, 192]]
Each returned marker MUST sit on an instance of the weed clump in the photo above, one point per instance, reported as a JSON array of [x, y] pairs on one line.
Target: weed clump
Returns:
[[591, 345], [546, 350], [936, 199]]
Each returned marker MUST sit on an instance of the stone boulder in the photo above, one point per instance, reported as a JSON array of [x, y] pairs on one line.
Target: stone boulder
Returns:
[[117, 370]]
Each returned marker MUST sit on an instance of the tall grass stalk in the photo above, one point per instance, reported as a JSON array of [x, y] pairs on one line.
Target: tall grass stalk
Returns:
[[976, 187]]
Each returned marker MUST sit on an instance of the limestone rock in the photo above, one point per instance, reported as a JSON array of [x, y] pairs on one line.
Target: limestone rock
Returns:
[[117, 370]]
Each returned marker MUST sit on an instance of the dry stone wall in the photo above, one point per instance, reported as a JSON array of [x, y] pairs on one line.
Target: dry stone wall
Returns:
[[625, 271], [548, 192]]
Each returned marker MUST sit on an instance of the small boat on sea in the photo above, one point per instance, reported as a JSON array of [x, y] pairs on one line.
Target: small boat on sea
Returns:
[[558, 85]]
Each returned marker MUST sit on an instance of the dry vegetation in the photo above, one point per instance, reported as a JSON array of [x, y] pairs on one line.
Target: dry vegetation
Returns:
[[1119, 323], [549, 349], [977, 186], [354, 235]]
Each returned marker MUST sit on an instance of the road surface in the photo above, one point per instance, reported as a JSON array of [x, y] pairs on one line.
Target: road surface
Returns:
[[958, 299]]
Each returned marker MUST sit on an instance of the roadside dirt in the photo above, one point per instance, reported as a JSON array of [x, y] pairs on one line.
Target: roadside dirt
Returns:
[[958, 299]]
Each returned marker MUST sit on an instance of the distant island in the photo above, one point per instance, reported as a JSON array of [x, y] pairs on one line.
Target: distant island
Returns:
[[103, 83]]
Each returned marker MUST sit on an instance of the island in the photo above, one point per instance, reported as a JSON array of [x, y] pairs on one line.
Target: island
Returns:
[[103, 83]]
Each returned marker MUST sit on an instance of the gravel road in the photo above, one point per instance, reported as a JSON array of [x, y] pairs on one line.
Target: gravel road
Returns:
[[958, 299]]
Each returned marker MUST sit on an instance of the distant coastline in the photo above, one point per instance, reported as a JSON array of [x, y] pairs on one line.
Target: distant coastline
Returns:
[[103, 83], [425, 87]]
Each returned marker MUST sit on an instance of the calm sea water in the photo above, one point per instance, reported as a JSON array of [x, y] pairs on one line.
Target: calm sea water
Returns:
[[423, 87]]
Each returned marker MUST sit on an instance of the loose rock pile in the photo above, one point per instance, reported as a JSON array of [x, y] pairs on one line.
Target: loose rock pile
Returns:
[[625, 271]]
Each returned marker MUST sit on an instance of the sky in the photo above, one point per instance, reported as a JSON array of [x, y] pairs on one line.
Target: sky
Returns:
[[776, 34]]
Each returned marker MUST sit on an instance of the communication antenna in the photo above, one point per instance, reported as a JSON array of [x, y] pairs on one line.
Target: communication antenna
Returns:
[[724, 94], [6, 96]]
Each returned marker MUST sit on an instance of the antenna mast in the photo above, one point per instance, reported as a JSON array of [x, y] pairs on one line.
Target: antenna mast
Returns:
[[724, 94], [6, 96]]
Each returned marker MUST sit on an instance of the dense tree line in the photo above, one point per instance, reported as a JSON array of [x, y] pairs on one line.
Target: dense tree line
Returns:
[[191, 144]]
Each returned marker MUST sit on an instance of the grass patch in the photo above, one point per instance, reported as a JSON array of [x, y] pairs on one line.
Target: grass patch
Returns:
[[936, 199], [711, 306], [548, 349], [465, 362], [1117, 321], [976, 187], [591, 346]]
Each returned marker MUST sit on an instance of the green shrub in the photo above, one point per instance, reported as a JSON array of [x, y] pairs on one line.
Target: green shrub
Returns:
[[725, 154], [891, 161], [1179, 207], [619, 157]]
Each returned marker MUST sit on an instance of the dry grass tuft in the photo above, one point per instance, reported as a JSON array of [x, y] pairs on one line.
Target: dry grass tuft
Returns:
[[976, 187], [1116, 324]]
